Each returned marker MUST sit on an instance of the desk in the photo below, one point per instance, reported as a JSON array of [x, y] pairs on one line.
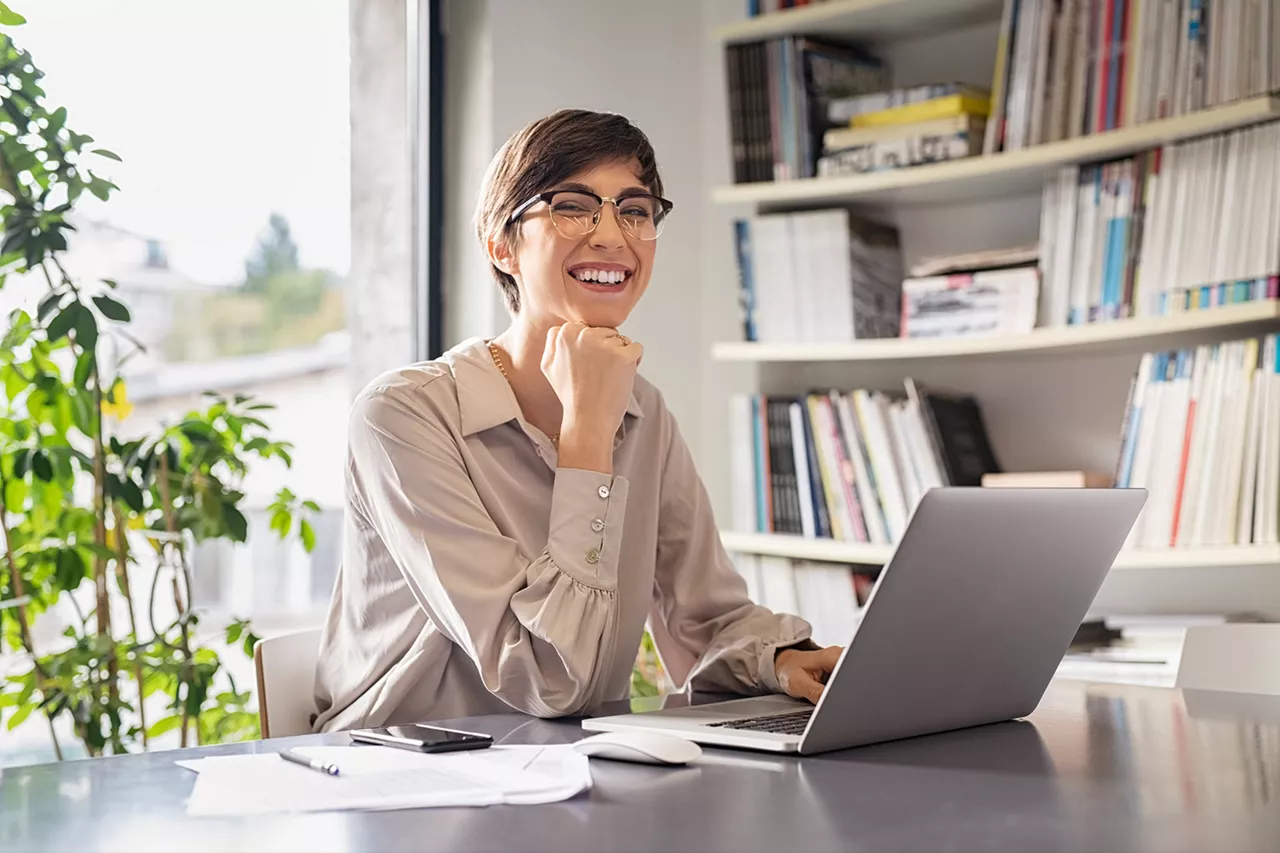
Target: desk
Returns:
[[1096, 767]]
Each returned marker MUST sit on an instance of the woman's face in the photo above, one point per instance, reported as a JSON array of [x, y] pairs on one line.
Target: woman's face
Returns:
[[595, 278]]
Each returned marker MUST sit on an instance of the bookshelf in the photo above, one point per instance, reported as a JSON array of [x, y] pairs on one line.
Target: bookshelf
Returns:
[[1056, 390], [861, 554], [867, 20], [997, 175], [1135, 335]]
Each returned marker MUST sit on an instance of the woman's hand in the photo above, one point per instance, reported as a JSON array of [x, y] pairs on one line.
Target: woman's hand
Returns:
[[592, 370], [803, 674]]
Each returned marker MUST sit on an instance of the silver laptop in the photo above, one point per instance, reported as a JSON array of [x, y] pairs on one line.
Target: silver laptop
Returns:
[[966, 625]]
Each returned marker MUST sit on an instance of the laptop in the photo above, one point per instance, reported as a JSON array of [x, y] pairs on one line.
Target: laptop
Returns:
[[966, 625]]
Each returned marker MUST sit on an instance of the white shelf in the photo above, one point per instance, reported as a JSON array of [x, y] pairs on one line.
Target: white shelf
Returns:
[[799, 548], [1011, 173], [827, 550], [864, 20], [1135, 334]]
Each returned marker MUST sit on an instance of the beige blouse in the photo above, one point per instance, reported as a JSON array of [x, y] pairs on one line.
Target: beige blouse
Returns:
[[477, 577]]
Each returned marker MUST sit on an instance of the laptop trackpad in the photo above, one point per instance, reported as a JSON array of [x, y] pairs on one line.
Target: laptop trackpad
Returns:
[[736, 709]]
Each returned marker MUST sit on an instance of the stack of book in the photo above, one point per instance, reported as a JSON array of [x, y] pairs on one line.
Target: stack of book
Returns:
[[904, 127], [829, 596], [1184, 227], [778, 95], [1137, 648], [982, 294], [818, 275], [1068, 68], [1202, 434], [850, 466]]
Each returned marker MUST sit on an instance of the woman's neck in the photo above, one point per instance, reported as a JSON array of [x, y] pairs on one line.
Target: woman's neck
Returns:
[[520, 347]]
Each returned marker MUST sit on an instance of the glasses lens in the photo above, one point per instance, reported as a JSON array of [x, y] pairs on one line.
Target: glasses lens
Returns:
[[574, 214], [642, 215]]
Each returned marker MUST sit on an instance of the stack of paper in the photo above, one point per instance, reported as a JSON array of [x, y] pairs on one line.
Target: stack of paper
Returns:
[[382, 778]]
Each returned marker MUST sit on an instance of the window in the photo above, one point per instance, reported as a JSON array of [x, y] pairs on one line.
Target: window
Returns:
[[229, 238]]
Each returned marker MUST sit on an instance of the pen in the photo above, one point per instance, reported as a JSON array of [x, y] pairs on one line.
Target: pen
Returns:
[[314, 764]]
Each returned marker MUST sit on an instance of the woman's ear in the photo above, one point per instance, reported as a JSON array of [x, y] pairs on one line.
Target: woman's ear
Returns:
[[501, 256]]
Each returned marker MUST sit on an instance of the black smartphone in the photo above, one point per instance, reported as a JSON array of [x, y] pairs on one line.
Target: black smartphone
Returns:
[[422, 738]]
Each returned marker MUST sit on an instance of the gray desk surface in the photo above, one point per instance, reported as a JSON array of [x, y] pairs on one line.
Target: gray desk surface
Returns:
[[1096, 767]]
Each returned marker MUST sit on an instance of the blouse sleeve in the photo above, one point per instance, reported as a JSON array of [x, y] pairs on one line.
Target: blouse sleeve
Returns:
[[539, 628], [709, 631]]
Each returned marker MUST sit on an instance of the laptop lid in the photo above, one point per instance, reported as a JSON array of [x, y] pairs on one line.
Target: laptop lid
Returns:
[[970, 618]]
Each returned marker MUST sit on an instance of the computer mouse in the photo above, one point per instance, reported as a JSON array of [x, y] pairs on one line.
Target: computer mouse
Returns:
[[641, 747]]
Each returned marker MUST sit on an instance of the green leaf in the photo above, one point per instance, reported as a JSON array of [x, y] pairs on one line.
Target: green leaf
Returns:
[[111, 309], [25, 711], [10, 18], [308, 534], [41, 466], [234, 630], [86, 329], [164, 726], [237, 524], [110, 155], [311, 505], [70, 570], [281, 521], [62, 324], [21, 461], [50, 302], [84, 366], [132, 494]]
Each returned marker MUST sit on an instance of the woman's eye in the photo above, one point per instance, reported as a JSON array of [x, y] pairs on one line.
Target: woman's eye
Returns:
[[636, 212]]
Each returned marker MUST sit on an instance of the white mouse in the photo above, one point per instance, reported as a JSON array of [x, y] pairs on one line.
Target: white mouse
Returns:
[[638, 746]]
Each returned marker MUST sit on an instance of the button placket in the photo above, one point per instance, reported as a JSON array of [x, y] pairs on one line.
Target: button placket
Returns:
[[597, 524]]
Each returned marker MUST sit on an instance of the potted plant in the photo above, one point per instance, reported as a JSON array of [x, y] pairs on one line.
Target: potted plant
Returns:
[[97, 524]]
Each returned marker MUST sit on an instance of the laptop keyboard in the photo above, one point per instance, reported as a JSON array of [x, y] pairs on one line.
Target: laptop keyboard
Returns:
[[778, 724]]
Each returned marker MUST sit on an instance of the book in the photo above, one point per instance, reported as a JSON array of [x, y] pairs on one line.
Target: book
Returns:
[[841, 111], [851, 465], [818, 275], [1068, 68], [1202, 434], [840, 138], [1125, 238], [899, 153], [777, 101], [950, 105], [964, 305]]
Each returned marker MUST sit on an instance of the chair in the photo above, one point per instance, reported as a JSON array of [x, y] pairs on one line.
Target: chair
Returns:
[[286, 669], [1242, 658]]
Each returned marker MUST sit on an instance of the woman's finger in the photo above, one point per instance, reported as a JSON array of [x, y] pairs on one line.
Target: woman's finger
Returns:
[[802, 685]]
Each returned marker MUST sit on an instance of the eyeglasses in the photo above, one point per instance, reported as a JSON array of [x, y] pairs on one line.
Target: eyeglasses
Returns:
[[576, 213]]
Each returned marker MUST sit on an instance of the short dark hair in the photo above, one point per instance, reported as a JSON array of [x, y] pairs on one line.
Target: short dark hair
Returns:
[[545, 153]]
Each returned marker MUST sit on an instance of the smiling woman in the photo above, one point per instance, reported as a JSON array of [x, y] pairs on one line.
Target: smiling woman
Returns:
[[519, 508]]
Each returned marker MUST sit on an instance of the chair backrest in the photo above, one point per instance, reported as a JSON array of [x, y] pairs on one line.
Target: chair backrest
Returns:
[[1239, 658], [286, 668]]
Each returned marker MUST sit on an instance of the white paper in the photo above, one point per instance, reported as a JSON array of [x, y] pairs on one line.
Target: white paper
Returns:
[[384, 778]]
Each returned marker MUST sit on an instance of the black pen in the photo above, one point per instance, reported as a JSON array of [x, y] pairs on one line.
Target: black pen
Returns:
[[314, 764]]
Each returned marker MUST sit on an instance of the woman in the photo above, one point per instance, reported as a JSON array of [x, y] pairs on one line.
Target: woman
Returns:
[[517, 508]]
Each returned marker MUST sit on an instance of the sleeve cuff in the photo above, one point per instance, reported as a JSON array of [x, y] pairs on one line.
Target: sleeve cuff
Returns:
[[797, 638], [587, 511]]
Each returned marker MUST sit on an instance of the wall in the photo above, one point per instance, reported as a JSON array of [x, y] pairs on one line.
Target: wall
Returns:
[[381, 307]]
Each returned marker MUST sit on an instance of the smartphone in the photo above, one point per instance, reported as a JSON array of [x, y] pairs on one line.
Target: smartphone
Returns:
[[422, 738]]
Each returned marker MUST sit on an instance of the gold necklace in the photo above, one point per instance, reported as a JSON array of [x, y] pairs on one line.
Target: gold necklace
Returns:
[[497, 359]]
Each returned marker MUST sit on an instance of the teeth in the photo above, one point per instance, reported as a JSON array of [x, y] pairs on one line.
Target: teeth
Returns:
[[600, 276]]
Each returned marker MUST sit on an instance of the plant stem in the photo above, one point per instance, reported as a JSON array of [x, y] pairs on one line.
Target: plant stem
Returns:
[[100, 539], [122, 577], [171, 527]]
